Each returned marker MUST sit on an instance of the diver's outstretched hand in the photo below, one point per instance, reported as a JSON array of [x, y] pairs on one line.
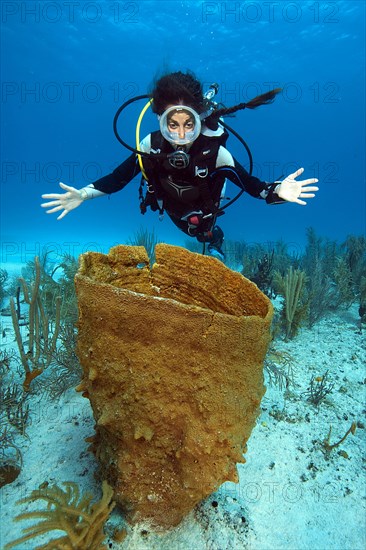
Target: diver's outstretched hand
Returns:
[[292, 191], [65, 202]]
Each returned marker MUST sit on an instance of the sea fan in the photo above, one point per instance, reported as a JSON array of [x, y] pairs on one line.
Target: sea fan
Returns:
[[70, 512]]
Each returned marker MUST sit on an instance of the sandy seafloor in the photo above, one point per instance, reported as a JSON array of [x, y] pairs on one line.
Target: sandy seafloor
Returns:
[[291, 495]]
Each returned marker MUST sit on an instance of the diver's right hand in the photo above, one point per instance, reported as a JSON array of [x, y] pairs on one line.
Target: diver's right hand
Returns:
[[65, 202]]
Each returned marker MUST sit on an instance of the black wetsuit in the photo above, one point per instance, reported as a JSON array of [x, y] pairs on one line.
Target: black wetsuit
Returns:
[[179, 189]]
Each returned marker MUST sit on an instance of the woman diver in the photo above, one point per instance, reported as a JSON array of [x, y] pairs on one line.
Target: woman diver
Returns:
[[185, 165]]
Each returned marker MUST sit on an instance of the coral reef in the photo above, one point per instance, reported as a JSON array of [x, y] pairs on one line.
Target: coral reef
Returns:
[[42, 343], [173, 366], [146, 238], [70, 512], [291, 287], [319, 388], [279, 368], [4, 276], [263, 276], [326, 443], [362, 306], [14, 417], [335, 273]]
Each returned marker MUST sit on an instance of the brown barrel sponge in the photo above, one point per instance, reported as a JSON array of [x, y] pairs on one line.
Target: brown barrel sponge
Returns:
[[173, 367]]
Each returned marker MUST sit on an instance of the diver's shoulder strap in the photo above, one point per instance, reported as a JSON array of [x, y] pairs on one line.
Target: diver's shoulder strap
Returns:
[[145, 144], [158, 144], [224, 158], [220, 134]]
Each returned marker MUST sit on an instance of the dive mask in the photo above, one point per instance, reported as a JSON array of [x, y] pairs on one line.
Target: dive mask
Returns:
[[169, 122]]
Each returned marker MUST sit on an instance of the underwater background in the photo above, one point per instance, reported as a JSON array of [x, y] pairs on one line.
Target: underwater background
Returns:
[[68, 66]]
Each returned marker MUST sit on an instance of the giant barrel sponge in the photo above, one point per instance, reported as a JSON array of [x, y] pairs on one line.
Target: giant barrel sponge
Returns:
[[172, 357]]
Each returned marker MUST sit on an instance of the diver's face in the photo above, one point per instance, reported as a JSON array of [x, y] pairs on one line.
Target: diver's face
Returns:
[[180, 123]]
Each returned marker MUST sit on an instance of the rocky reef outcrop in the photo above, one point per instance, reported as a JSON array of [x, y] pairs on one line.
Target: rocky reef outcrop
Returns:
[[172, 356]]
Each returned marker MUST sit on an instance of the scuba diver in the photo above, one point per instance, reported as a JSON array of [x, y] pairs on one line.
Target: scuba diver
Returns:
[[185, 164]]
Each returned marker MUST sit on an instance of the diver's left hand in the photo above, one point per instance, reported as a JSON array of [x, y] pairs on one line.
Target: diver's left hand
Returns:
[[292, 191]]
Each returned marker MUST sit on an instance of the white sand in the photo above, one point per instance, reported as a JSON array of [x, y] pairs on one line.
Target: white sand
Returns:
[[291, 494]]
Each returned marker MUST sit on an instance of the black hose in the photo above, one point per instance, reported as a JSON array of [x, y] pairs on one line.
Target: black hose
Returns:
[[115, 120]]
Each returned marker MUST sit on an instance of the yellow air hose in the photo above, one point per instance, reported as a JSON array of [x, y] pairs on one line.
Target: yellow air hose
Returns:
[[138, 136]]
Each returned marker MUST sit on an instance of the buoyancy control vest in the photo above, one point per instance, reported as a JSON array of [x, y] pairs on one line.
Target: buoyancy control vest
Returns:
[[183, 190]]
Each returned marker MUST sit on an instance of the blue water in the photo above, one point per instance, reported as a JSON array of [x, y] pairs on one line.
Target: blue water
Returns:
[[67, 66]]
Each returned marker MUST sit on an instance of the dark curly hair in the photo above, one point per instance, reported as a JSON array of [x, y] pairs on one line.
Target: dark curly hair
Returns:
[[177, 88], [184, 88]]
